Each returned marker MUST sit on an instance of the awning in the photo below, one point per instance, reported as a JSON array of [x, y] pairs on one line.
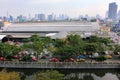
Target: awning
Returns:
[[60, 35], [21, 36], [2, 36], [51, 34]]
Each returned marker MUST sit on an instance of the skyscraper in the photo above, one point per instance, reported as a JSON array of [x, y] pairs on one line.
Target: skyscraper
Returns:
[[11, 18], [41, 17], [112, 13], [50, 17]]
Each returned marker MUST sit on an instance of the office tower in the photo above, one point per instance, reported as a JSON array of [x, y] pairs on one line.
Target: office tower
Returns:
[[50, 17], [41, 17], [112, 13], [21, 18], [11, 18], [5, 18]]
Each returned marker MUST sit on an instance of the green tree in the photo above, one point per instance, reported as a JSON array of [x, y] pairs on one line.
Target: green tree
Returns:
[[16, 49], [105, 41], [101, 47], [74, 39], [65, 52], [91, 47], [8, 50], [5, 49], [33, 38], [48, 75], [93, 39], [4, 75], [36, 46], [60, 43], [47, 41], [67, 48], [116, 49]]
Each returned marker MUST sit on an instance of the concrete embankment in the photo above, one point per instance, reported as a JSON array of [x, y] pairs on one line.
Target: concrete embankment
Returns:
[[60, 65]]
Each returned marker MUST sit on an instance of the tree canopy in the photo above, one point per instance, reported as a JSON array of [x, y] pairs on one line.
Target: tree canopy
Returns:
[[48, 75], [4, 75]]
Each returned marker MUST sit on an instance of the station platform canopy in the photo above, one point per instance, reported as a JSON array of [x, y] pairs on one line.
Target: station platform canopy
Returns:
[[2, 36]]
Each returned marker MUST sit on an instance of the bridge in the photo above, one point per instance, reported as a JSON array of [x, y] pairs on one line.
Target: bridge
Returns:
[[60, 65]]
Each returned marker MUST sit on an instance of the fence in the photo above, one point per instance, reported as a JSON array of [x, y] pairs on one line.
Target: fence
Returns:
[[60, 65]]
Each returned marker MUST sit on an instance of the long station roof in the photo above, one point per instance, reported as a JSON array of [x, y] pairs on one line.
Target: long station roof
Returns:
[[52, 27]]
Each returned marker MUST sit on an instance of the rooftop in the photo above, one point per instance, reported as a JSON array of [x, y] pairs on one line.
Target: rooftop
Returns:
[[51, 27]]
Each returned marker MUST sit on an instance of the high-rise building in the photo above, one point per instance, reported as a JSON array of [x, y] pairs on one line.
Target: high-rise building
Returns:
[[112, 13], [11, 18], [5, 18], [50, 17], [41, 17], [21, 18], [1, 23], [36, 16]]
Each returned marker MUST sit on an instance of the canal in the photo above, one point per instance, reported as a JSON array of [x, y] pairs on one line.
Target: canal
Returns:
[[80, 74]]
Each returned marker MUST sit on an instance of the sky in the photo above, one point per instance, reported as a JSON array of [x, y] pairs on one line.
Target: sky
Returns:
[[72, 8]]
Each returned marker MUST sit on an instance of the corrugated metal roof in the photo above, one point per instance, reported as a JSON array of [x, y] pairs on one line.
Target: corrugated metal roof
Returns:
[[51, 27]]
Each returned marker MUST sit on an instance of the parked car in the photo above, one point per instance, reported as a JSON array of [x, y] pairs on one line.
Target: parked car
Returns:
[[43, 57], [108, 56], [80, 60], [2, 58], [69, 60], [16, 57], [54, 60], [81, 56], [34, 59]]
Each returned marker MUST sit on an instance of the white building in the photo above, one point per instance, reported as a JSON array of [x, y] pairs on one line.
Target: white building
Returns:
[[43, 28]]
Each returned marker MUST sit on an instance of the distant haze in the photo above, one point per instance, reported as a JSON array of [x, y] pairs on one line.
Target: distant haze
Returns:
[[72, 8]]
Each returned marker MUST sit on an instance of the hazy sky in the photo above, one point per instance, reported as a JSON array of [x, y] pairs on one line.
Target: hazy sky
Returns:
[[70, 7]]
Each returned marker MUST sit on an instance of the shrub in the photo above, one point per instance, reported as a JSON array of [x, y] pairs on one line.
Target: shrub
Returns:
[[4, 75], [100, 58], [48, 75]]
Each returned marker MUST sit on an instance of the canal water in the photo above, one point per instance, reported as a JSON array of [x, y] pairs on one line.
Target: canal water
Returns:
[[81, 74]]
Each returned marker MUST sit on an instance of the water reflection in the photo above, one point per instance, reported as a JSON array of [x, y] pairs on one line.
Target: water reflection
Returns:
[[83, 74], [92, 76], [107, 76]]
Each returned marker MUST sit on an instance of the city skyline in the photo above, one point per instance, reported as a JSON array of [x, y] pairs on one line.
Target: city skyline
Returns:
[[72, 8]]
